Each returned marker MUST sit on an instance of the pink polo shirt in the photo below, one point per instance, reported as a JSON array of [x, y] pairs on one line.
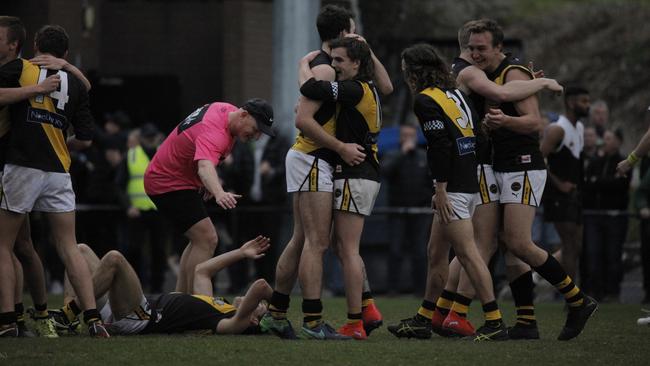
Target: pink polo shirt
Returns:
[[203, 135]]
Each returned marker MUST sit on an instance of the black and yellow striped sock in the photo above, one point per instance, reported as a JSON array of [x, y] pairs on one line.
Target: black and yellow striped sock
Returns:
[[279, 305], [71, 311], [366, 299], [91, 315], [492, 314], [19, 309], [553, 272], [445, 301], [461, 305], [425, 312], [522, 294], [572, 294], [312, 310], [354, 318]]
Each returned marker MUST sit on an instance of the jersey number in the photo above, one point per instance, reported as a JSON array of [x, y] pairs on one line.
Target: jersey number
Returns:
[[61, 95], [465, 119]]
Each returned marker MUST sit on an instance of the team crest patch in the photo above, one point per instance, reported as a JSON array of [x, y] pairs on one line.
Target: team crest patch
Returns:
[[46, 117], [515, 186], [337, 193], [493, 188], [466, 145]]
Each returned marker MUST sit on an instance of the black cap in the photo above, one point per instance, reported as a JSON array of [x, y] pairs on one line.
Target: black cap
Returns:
[[262, 111]]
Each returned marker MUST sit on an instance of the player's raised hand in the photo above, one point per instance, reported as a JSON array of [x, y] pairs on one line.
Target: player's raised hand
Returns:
[[537, 74], [50, 84], [357, 36], [49, 62], [310, 56], [352, 154], [554, 86], [256, 248]]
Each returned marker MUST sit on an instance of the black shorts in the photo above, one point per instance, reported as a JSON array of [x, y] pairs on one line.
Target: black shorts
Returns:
[[560, 207], [183, 208]]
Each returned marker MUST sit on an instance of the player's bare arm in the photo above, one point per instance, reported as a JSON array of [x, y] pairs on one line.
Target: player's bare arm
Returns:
[[529, 119], [15, 95], [641, 149], [53, 63], [351, 153], [208, 175], [253, 249], [476, 81]]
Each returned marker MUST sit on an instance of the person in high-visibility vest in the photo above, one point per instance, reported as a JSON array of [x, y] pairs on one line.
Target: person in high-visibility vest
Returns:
[[144, 220]]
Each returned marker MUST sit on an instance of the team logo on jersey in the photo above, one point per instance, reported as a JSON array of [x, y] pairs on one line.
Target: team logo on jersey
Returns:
[[42, 116], [433, 125], [515, 186], [337, 193], [466, 145], [494, 188], [192, 119]]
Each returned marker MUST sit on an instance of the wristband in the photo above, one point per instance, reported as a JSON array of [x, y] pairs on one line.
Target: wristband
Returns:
[[632, 158]]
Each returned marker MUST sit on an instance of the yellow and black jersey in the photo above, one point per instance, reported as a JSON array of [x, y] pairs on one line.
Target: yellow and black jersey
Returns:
[[324, 116], [483, 143], [179, 312], [514, 151], [447, 121], [40, 124], [358, 120]]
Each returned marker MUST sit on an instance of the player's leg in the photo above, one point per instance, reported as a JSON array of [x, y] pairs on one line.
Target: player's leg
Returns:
[[484, 222], [518, 219], [35, 279], [348, 228], [461, 235], [245, 316], [10, 223], [571, 237], [203, 242], [419, 326], [286, 274], [316, 215], [63, 232]]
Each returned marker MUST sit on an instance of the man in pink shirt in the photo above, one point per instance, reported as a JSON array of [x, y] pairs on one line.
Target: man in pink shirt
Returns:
[[183, 173]]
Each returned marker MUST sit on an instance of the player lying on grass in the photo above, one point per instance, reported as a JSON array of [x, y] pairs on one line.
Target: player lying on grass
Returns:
[[125, 310]]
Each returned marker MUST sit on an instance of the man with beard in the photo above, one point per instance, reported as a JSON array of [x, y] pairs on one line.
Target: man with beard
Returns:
[[562, 146]]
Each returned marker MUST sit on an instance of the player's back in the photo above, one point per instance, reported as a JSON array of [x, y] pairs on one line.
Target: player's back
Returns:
[[39, 125], [325, 116]]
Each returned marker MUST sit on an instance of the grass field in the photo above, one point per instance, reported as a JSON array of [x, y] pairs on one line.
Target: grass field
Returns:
[[611, 338]]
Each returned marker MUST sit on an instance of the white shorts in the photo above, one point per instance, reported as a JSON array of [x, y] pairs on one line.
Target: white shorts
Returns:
[[525, 187], [355, 195], [462, 205], [306, 173], [26, 189], [488, 187], [133, 323]]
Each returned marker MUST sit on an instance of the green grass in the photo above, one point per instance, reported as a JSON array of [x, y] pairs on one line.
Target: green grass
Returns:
[[611, 337]]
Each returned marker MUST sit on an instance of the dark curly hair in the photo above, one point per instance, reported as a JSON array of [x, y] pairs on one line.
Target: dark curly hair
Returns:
[[357, 51], [52, 39], [331, 21], [423, 68]]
